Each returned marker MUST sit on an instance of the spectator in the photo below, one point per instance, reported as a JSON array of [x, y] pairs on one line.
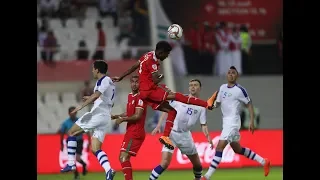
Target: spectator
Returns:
[[64, 11], [109, 8], [82, 52], [193, 51], [42, 36], [125, 26], [80, 8], [48, 8], [50, 46], [99, 53], [140, 19], [207, 50], [245, 49]]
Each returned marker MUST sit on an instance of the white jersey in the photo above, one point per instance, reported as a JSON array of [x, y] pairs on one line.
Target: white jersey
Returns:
[[107, 89], [187, 116], [231, 99]]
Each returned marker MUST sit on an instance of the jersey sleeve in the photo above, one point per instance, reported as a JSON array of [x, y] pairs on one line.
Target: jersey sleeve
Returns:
[[203, 116], [141, 104], [103, 85], [173, 103], [219, 94], [243, 95]]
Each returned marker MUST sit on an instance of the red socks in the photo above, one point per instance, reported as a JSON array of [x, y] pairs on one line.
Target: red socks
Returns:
[[169, 123], [127, 170], [190, 100]]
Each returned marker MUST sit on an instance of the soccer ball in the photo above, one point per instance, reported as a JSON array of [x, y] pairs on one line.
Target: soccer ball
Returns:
[[175, 31]]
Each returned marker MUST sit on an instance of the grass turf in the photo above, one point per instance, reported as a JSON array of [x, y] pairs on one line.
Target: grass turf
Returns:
[[220, 174]]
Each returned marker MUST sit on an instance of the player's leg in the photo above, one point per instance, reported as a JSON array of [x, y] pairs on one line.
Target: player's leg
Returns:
[[129, 147], [197, 167], [237, 148], [164, 164], [96, 143], [165, 107], [78, 128], [124, 159], [192, 100], [78, 156], [188, 148], [223, 142]]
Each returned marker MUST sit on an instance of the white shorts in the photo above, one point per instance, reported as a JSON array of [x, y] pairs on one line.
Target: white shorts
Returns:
[[230, 134], [183, 141], [97, 123]]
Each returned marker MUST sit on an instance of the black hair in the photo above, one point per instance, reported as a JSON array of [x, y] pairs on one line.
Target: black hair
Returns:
[[163, 46], [243, 28], [234, 68], [71, 108], [101, 65], [222, 24], [99, 24], [135, 76], [196, 80]]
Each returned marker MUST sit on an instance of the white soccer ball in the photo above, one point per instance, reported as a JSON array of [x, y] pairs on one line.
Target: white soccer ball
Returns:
[[175, 31]]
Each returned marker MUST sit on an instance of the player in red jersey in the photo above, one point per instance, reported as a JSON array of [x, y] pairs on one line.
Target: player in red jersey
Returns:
[[134, 137], [155, 95]]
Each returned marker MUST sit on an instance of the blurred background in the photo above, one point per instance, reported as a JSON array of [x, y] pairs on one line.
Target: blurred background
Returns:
[[71, 34]]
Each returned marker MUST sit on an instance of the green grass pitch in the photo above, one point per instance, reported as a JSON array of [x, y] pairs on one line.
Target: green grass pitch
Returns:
[[220, 174]]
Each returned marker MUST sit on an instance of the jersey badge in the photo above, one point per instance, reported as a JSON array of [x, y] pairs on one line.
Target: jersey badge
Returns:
[[154, 66], [195, 111]]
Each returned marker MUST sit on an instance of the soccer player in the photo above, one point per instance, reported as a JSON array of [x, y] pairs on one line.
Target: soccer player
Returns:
[[155, 95], [187, 116], [65, 126], [231, 96], [135, 135], [97, 120]]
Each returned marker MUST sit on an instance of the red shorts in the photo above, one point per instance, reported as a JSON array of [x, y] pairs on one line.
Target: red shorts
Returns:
[[131, 145], [155, 97]]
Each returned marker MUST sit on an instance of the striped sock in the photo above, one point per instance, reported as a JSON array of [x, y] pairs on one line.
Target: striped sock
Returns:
[[197, 173], [214, 164], [103, 160], [71, 148], [252, 155], [156, 172]]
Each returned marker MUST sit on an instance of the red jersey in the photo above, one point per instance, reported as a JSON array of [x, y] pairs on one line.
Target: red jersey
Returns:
[[148, 64], [208, 41], [136, 129]]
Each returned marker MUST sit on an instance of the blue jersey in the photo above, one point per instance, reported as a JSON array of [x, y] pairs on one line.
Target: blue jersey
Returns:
[[66, 125]]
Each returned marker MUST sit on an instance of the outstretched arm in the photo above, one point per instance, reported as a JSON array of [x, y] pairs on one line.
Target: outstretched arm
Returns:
[[129, 71]]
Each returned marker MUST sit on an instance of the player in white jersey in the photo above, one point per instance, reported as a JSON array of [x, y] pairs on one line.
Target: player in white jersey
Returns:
[[231, 97], [97, 120], [187, 116]]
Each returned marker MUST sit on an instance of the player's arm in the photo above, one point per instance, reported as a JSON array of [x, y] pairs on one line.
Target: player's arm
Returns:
[[156, 77], [161, 118], [204, 127], [118, 116], [101, 89], [129, 71], [140, 107], [244, 98], [137, 115], [217, 102]]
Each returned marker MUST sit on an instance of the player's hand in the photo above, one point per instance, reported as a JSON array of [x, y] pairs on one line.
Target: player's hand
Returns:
[[84, 98], [116, 79], [115, 116], [119, 120], [211, 144], [156, 130], [251, 127]]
